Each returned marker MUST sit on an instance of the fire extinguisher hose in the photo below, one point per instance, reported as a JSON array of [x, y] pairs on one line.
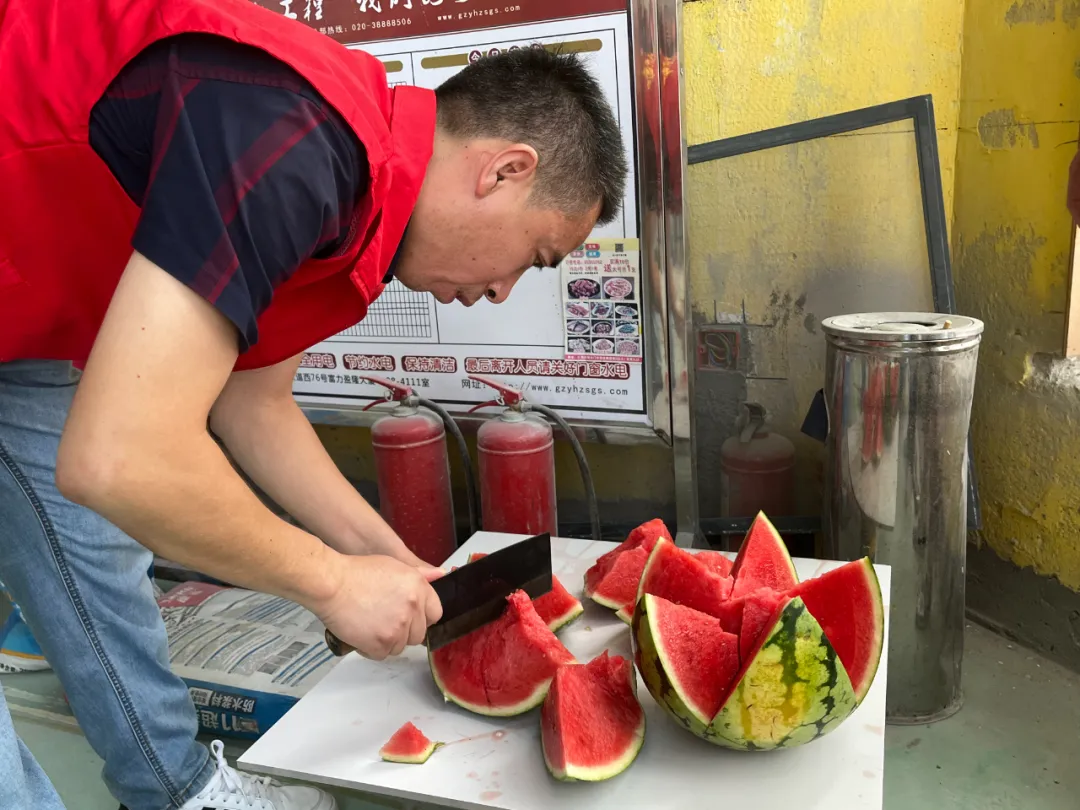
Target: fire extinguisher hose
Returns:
[[466, 462], [583, 464]]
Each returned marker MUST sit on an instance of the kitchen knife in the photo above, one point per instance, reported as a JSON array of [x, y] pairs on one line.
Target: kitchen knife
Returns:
[[475, 594]]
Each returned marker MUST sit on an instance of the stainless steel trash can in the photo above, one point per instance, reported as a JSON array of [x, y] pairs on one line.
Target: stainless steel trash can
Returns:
[[898, 390]]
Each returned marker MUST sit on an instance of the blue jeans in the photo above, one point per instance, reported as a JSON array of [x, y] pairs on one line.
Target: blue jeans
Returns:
[[83, 590]]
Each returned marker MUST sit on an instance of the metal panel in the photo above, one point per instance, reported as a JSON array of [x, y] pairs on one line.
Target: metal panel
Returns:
[[681, 344]]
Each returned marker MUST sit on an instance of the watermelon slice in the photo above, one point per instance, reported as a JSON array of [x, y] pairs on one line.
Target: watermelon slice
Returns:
[[408, 745], [847, 604], [763, 561], [591, 724], [612, 581], [558, 607], [716, 562], [701, 659], [503, 668], [678, 576]]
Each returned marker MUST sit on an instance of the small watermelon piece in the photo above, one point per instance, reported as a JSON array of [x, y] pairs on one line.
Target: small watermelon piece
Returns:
[[591, 723], [679, 577], [763, 561], [503, 668], [759, 613], [699, 657], [558, 607], [408, 745], [612, 581], [847, 604], [716, 562]]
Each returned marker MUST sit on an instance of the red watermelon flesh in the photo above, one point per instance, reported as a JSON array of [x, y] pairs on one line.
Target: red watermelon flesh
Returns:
[[763, 561], [847, 604], [591, 723], [503, 668], [705, 656], [409, 745], [558, 607], [760, 612], [612, 583], [716, 562], [679, 577]]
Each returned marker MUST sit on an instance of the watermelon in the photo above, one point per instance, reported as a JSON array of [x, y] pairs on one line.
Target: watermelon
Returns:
[[408, 745], [715, 562], [503, 668], [678, 576], [763, 561], [791, 690], [591, 723], [847, 604], [612, 581], [558, 607]]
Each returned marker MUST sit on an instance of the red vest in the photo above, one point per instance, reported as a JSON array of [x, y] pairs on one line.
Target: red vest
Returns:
[[66, 224]]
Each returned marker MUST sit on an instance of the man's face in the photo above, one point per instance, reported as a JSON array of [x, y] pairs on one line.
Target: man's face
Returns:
[[474, 231]]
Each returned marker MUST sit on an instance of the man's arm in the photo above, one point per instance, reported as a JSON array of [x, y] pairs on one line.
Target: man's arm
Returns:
[[271, 439], [136, 449]]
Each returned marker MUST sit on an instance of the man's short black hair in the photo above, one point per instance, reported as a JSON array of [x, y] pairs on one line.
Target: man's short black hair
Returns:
[[549, 101]]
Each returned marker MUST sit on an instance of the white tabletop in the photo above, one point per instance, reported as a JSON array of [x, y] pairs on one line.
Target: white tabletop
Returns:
[[333, 735]]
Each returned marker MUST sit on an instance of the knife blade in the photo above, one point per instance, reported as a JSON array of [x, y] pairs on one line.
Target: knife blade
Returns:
[[475, 594]]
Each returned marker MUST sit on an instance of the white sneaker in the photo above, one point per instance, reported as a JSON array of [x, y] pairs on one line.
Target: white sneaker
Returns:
[[229, 789]]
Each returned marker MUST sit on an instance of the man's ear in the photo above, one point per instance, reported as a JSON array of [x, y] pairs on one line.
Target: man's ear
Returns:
[[513, 165]]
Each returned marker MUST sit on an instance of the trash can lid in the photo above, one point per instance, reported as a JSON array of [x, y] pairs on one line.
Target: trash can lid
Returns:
[[903, 326]]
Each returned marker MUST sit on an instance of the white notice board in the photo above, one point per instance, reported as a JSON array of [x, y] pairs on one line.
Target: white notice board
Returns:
[[573, 338]]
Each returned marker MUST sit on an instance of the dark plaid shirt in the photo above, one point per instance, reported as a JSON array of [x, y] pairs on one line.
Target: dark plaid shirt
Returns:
[[241, 169]]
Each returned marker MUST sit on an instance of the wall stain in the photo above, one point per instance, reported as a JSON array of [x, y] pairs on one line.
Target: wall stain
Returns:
[[1037, 12], [811, 324], [1000, 129], [1070, 13], [1076, 67]]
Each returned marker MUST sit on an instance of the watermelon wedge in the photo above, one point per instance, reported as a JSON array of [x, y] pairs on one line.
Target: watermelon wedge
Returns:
[[700, 658], [847, 604], [409, 745], [716, 562], [678, 576], [591, 723], [558, 607], [503, 668], [612, 581], [763, 561]]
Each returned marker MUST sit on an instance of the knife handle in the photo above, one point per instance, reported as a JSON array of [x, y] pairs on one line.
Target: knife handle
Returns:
[[337, 646]]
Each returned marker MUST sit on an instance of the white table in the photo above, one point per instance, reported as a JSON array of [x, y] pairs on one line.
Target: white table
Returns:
[[333, 735]]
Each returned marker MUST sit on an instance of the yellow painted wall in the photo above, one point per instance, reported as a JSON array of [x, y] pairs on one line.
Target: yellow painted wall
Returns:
[[1020, 104]]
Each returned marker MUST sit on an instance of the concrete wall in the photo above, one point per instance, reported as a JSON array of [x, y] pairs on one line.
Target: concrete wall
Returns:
[[1020, 104]]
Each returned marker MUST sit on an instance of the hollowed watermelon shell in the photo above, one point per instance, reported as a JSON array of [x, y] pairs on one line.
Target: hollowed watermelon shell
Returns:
[[763, 561], [408, 745], [558, 607], [591, 723], [791, 691], [503, 668]]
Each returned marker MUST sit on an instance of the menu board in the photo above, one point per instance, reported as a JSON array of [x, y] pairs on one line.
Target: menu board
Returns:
[[572, 338]]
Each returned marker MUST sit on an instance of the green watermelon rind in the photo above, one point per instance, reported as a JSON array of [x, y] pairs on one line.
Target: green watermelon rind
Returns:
[[610, 770], [797, 649]]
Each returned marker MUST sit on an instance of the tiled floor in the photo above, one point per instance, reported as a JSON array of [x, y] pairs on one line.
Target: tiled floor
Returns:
[[1014, 746]]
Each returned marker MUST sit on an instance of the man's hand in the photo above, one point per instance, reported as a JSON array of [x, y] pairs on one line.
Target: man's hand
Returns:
[[380, 606]]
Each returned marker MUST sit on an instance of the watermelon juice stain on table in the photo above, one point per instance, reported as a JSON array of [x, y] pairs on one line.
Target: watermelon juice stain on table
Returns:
[[334, 734]]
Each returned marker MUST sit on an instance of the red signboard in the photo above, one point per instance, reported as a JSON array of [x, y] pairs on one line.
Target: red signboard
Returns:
[[350, 21]]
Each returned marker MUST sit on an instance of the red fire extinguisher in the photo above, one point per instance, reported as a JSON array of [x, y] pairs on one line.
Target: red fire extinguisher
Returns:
[[516, 453], [757, 469], [413, 470]]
